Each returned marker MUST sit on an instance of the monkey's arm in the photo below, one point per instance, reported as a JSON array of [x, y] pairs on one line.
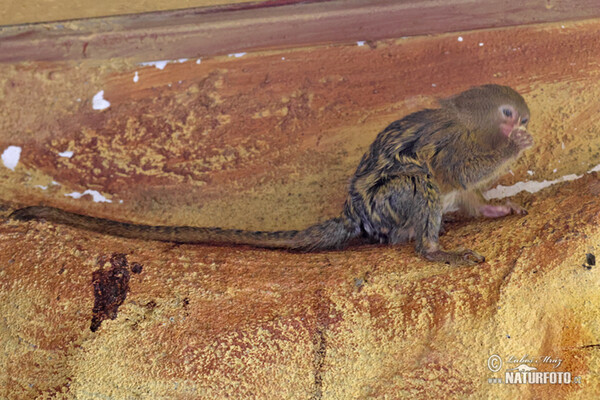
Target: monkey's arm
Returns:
[[464, 163], [467, 168]]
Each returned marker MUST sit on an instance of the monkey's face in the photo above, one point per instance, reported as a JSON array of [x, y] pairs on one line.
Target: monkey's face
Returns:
[[511, 119], [499, 112], [513, 125]]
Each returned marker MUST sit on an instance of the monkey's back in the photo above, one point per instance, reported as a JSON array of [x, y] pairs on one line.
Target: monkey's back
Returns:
[[396, 157]]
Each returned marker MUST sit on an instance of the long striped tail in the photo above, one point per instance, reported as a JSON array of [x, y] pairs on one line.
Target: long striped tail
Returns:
[[331, 234]]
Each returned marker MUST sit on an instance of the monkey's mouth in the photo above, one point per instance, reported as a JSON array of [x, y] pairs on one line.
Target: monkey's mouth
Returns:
[[522, 129], [509, 129]]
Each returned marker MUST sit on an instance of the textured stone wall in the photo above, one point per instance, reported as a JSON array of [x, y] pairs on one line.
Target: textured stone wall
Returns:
[[268, 141]]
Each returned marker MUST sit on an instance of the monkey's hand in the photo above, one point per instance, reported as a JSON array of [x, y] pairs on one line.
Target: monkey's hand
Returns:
[[456, 258], [521, 138], [491, 211]]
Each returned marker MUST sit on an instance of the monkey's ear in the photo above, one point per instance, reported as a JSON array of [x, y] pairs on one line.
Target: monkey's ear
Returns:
[[465, 100], [469, 100], [450, 103], [447, 102]]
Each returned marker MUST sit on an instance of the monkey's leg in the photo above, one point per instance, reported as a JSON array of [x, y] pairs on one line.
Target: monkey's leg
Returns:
[[450, 218], [492, 211], [413, 202], [428, 244], [474, 204]]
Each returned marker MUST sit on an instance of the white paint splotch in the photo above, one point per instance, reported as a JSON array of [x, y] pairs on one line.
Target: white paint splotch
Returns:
[[98, 102], [158, 64], [136, 77], [11, 156], [161, 64], [237, 55], [67, 154], [500, 191], [98, 198]]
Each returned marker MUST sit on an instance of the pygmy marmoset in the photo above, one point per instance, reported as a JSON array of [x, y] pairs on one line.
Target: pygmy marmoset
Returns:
[[416, 169]]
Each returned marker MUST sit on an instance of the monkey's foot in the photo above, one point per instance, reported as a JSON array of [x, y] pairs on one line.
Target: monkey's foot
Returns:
[[458, 257], [491, 211], [515, 208]]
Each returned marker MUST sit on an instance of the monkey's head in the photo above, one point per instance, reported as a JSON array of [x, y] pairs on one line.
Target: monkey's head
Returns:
[[493, 109]]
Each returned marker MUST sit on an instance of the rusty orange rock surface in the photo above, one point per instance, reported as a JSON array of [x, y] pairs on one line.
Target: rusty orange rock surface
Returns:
[[268, 141]]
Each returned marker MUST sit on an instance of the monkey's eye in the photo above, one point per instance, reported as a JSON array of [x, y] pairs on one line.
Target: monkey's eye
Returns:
[[524, 120], [507, 113]]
